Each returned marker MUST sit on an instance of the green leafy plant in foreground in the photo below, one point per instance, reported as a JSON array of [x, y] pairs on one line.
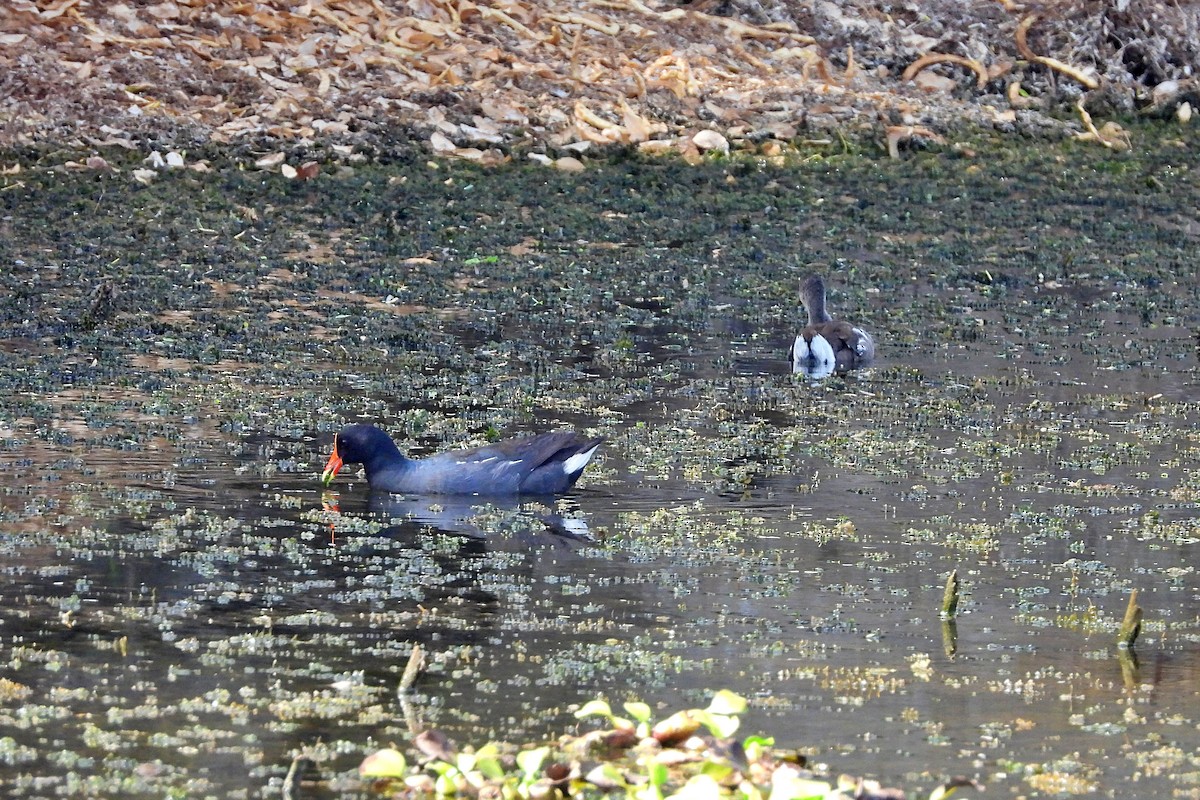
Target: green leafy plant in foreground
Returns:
[[690, 755]]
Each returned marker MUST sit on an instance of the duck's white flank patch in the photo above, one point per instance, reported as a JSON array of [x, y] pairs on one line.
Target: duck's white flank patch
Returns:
[[578, 461]]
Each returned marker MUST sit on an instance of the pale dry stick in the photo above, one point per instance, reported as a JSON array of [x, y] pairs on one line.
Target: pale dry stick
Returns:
[[1113, 141], [396, 56], [638, 128], [573, 65], [396, 36], [585, 114], [289, 782], [391, 23], [57, 10], [607, 28], [452, 8], [636, 74], [735, 27], [749, 58], [1016, 99], [494, 13], [320, 10], [113, 38], [642, 8], [1053, 63], [738, 29], [929, 59]]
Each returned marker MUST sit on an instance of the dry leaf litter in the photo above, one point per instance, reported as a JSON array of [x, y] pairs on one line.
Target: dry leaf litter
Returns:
[[490, 80]]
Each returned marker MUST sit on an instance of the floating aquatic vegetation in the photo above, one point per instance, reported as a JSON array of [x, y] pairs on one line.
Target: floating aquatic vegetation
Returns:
[[167, 557]]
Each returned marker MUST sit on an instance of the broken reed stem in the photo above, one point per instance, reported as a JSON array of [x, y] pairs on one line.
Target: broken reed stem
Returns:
[[1131, 626], [950, 596], [416, 663], [292, 779]]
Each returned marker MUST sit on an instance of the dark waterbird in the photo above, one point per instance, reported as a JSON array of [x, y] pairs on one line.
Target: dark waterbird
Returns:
[[827, 345], [548, 463]]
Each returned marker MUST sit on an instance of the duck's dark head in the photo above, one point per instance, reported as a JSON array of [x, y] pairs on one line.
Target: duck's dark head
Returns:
[[356, 444]]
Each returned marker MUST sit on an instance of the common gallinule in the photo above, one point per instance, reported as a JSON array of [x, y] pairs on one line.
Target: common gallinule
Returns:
[[827, 345], [544, 464]]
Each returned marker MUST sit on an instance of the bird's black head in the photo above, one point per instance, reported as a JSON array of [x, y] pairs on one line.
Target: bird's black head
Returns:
[[356, 444]]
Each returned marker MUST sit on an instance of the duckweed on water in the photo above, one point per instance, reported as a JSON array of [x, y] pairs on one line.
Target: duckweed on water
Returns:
[[168, 557]]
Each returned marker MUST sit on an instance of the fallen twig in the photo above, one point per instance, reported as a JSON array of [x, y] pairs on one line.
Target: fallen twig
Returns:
[[1112, 135], [929, 59], [1053, 63]]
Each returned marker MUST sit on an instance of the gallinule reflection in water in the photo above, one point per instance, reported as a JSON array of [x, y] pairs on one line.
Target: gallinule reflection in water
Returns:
[[546, 464], [525, 518], [827, 345]]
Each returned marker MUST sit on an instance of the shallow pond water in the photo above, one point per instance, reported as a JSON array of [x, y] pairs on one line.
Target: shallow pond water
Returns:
[[184, 610]]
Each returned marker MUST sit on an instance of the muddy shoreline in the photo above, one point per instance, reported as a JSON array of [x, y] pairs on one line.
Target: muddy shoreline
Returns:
[[488, 83]]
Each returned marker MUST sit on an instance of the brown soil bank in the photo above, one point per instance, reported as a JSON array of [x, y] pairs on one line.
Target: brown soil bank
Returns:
[[489, 79]]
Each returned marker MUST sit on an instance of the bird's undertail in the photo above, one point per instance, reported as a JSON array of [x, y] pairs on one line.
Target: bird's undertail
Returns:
[[575, 464]]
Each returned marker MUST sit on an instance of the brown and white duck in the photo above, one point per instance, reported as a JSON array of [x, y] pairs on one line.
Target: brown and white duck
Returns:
[[827, 345]]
